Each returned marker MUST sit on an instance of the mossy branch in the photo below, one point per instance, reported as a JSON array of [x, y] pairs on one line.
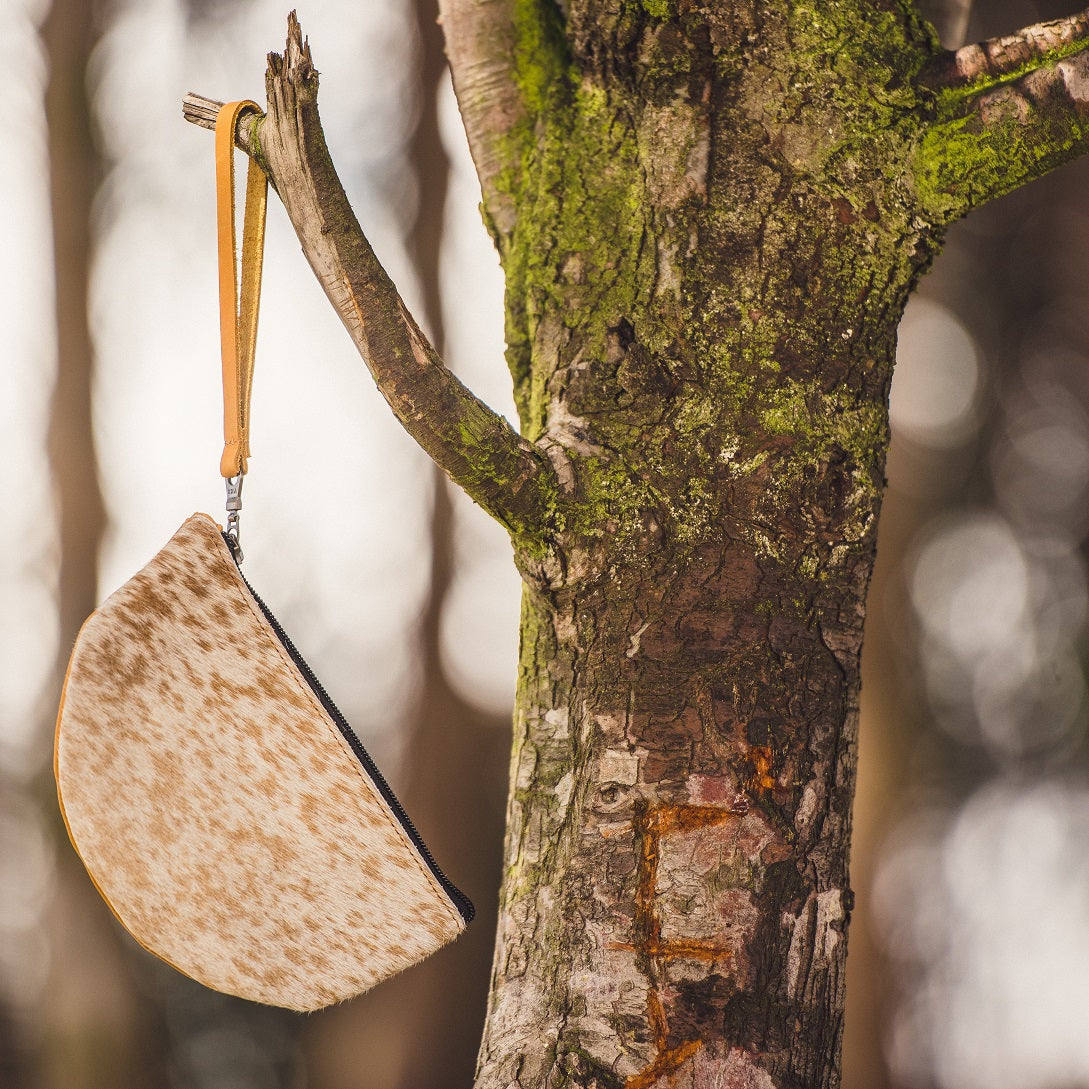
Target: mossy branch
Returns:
[[985, 65], [504, 55], [477, 448], [1006, 111]]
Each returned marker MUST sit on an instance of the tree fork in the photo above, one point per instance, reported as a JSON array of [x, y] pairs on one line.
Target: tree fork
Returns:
[[710, 221]]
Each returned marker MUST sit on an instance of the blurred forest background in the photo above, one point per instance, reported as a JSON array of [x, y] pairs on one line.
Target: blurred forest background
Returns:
[[969, 962]]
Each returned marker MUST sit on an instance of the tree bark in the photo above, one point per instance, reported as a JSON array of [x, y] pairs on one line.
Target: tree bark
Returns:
[[710, 220], [703, 336]]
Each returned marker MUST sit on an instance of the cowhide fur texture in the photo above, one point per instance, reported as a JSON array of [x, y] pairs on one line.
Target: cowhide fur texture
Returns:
[[216, 805]]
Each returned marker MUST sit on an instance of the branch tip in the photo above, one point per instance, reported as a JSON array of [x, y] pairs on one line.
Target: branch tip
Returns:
[[296, 59], [198, 110]]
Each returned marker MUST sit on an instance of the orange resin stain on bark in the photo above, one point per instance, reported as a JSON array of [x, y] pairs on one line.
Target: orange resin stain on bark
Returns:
[[650, 825], [761, 760], [665, 1063], [675, 950], [687, 818], [668, 1060]]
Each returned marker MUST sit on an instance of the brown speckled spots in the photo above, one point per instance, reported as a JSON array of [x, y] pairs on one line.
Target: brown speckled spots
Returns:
[[218, 808]]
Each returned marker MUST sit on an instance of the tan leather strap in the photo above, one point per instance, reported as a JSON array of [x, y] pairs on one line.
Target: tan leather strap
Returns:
[[238, 306]]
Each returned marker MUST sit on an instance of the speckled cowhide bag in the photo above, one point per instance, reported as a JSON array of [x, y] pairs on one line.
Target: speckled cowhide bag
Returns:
[[222, 805]]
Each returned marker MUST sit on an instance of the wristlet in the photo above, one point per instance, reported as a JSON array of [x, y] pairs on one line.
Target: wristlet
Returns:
[[222, 805]]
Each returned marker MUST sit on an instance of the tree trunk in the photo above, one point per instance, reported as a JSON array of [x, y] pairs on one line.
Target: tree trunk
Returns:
[[704, 340], [710, 219]]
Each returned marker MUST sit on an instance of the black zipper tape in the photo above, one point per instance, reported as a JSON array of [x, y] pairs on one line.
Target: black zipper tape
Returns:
[[461, 901]]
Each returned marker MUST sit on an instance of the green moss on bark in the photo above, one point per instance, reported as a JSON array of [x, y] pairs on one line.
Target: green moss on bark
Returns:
[[539, 53], [959, 163]]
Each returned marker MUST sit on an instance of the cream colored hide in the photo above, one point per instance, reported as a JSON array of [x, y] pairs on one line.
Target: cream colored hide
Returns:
[[217, 806]]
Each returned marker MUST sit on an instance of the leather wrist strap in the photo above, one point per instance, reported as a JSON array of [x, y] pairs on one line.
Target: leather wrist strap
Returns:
[[238, 305]]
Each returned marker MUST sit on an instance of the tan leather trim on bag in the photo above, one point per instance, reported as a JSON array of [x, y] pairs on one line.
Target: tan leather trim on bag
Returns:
[[238, 303]]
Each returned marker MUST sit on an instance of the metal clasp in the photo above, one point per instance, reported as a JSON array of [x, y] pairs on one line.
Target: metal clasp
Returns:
[[234, 509]]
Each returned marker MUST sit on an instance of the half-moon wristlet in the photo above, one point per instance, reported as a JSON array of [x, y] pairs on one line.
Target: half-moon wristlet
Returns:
[[222, 805]]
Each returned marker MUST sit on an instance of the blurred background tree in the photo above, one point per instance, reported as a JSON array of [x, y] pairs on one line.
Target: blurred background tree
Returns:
[[969, 945]]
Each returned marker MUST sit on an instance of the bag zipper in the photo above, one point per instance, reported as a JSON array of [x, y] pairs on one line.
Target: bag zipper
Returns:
[[461, 901]]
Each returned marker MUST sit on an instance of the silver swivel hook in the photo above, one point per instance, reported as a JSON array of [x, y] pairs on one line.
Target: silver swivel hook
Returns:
[[234, 509]]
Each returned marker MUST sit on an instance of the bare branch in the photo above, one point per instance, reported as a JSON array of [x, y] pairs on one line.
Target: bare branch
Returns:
[[506, 57], [477, 448], [1005, 111], [997, 59]]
